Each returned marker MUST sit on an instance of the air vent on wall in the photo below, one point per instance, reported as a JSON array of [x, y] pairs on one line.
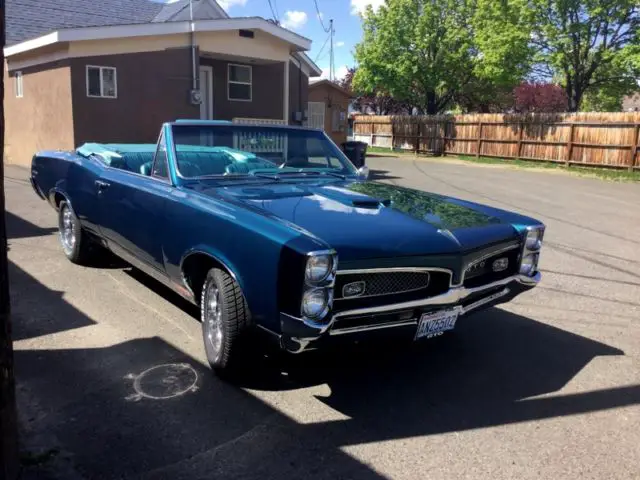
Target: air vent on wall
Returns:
[[246, 33]]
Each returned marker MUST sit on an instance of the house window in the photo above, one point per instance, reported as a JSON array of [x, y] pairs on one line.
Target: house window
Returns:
[[239, 85], [19, 85], [338, 119], [102, 82]]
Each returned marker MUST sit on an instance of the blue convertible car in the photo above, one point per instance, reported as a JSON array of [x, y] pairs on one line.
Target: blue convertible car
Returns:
[[271, 229]]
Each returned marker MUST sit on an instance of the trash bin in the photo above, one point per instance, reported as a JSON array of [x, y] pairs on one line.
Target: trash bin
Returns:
[[356, 152]]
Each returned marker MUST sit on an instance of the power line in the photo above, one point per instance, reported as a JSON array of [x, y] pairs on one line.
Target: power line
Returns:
[[320, 52], [326, 30], [273, 12], [332, 64], [275, 7]]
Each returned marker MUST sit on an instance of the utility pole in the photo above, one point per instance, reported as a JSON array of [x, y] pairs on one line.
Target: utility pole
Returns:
[[332, 73], [8, 422]]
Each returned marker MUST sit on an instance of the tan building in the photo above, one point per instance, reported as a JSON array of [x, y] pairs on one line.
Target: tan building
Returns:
[[117, 74], [328, 109]]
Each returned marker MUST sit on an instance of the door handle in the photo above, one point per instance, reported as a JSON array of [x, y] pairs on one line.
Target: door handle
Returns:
[[102, 185]]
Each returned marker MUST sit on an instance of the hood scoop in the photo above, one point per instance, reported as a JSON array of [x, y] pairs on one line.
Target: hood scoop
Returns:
[[370, 203]]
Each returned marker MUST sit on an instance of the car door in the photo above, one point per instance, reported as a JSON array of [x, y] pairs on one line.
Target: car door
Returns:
[[132, 207], [81, 190]]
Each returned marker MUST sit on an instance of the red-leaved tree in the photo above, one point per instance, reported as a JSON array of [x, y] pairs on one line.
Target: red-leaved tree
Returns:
[[540, 98], [378, 104]]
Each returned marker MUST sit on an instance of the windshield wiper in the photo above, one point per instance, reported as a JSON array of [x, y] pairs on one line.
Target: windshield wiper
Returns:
[[313, 172], [270, 176]]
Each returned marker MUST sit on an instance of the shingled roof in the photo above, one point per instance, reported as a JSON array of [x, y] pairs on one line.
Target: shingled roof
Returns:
[[26, 19]]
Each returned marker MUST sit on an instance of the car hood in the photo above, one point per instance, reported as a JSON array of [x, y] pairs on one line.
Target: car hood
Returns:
[[373, 220]]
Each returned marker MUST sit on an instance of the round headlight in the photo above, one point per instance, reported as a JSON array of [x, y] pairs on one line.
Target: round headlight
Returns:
[[529, 264], [315, 303], [534, 239], [318, 268]]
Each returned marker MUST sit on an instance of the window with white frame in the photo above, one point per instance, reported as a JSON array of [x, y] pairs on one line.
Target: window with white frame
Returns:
[[239, 82], [102, 82], [19, 86]]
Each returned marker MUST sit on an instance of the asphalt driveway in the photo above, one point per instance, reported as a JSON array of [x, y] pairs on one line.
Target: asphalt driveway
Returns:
[[112, 382]]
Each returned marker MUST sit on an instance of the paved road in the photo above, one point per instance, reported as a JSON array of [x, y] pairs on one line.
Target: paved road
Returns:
[[111, 371]]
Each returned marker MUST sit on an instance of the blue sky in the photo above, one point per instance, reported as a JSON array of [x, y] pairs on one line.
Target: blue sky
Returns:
[[300, 16]]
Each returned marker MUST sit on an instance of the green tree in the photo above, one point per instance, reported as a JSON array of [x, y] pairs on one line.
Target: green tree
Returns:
[[425, 52], [592, 45]]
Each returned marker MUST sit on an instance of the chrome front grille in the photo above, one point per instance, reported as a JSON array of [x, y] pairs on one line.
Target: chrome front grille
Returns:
[[387, 286], [382, 283]]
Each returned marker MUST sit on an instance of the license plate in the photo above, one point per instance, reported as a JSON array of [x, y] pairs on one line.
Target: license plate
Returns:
[[432, 324]]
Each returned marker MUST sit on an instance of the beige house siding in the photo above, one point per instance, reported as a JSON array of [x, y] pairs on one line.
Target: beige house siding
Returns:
[[43, 118], [263, 46], [336, 103]]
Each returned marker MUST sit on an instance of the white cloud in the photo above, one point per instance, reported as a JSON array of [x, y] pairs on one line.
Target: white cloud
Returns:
[[339, 44], [359, 6], [227, 4], [341, 72], [293, 20]]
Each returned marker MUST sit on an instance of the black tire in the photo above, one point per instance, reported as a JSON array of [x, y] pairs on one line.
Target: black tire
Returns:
[[76, 244], [224, 332]]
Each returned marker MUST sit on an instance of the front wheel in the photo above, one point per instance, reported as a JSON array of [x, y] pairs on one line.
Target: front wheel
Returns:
[[225, 321]]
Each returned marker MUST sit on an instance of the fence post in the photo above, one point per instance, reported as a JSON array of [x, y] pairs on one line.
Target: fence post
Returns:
[[418, 137], [479, 146], [634, 147], [570, 145], [520, 133], [372, 127], [393, 131]]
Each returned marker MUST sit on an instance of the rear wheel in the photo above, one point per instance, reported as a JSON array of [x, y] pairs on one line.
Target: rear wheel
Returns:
[[76, 245], [225, 321]]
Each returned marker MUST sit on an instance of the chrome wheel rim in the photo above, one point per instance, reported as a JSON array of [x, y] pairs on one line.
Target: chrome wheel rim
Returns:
[[213, 320], [67, 231]]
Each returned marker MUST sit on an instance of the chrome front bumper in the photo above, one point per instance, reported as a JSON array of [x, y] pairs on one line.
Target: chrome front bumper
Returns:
[[297, 335]]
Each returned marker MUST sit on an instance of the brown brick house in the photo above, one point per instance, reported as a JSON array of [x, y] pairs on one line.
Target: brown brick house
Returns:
[[328, 109], [75, 71]]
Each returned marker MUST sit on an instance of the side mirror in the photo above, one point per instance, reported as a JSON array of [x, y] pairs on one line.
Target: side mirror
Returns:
[[363, 172]]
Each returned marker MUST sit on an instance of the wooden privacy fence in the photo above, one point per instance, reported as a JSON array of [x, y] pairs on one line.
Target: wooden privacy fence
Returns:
[[593, 139]]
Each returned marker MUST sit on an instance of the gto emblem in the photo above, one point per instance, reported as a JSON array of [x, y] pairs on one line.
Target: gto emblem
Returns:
[[475, 267], [354, 289], [500, 265]]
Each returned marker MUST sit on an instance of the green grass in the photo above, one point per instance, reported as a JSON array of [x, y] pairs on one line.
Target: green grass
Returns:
[[618, 175]]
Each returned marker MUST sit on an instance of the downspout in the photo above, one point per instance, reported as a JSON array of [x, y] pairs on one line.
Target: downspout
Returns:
[[300, 106], [194, 78]]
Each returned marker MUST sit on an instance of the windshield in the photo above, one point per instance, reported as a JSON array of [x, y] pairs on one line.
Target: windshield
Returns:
[[227, 150]]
